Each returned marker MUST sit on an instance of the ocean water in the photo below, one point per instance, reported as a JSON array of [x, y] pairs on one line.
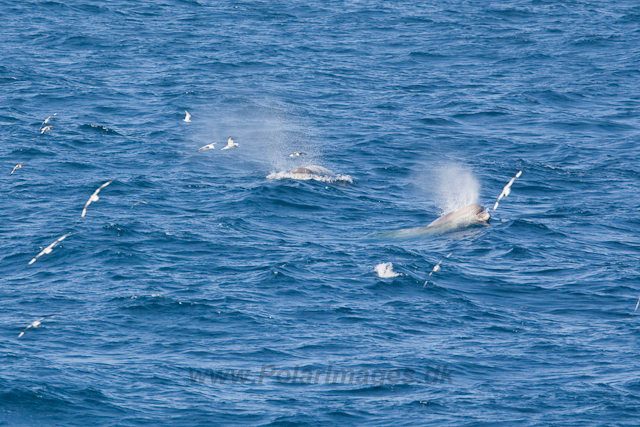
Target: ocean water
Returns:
[[198, 291]]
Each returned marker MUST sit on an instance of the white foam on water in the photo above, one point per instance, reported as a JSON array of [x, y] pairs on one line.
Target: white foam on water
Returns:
[[385, 270], [322, 177]]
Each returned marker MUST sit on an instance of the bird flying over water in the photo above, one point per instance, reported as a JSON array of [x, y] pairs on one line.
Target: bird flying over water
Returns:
[[137, 203], [48, 119], [33, 325], [506, 190], [230, 144], [187, 118], [296, 154], [49, 248], [94, 198], [436, 268], [44, 128], [18, 166], [211, 146]]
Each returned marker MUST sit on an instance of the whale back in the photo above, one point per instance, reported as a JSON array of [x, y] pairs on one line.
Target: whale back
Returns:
[[469, 214], [313, 169], [301, 170]]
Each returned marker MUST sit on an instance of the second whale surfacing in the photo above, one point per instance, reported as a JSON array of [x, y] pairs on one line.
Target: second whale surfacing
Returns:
[[463, 217], [313, 170]]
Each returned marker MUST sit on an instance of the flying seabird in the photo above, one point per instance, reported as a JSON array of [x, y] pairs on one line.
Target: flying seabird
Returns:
[[187, 118], [506, 190], [137, 203], [94, 198], [46, 128], [18, 166], [208, 147], [49, 248], [33, 325], [230, 144], [48, 119], [436, 268], [296, 154]]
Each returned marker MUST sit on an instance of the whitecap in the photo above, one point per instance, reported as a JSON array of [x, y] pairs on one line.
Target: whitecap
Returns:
[[385, 270]]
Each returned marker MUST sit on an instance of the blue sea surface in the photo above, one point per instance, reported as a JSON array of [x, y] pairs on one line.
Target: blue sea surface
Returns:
[[212, 288]]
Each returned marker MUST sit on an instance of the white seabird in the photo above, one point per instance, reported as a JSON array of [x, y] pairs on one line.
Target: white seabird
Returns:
[[506, 190], [48, 119], [49, 248], [94, 198], [18, 166], [137, 203], [436, 268], [297, 154], [33, 325], [230, 144], [46, 128], [187, 118], [208, 147]]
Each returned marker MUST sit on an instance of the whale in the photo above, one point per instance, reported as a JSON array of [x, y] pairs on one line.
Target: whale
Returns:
[[472, 214], [301, 170], [313, 170]]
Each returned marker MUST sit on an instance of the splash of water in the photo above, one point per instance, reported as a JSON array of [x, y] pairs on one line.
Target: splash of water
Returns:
[[385, 270], [330, 178]]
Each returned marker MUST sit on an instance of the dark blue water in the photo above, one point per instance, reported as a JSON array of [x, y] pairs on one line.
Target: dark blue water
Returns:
[[198, 291]]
